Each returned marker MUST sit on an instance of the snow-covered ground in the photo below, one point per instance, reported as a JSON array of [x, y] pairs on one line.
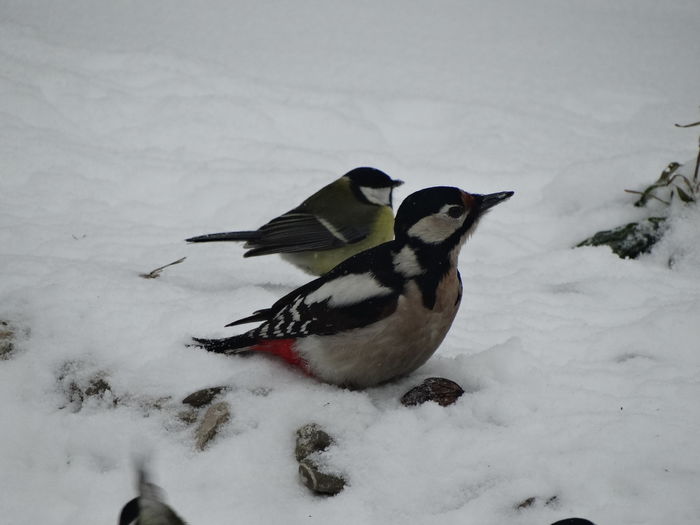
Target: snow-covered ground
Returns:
[[126, 127]]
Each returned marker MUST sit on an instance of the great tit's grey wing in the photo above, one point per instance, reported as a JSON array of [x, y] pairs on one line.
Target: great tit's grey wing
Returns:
[[298, 231]]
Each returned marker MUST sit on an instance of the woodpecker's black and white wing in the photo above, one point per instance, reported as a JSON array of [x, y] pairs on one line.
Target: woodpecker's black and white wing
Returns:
[[360, 291]]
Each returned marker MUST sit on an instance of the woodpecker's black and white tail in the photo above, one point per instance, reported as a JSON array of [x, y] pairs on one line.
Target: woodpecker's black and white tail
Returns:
[[227, 236], [227, 345]]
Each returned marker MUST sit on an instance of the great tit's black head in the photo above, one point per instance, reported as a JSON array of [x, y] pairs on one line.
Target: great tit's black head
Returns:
[[372, 185], [433, 215], [130, 513]]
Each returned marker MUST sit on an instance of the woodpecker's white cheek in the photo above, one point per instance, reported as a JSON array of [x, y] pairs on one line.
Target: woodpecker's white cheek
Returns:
[[434, 229], [347, 290], [378, 196]]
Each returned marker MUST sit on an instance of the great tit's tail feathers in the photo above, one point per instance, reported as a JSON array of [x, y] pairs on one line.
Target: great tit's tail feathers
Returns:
[[226, 236]]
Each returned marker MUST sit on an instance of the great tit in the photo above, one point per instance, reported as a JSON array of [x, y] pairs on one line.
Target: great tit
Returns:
[[341, 219], [149, 507]]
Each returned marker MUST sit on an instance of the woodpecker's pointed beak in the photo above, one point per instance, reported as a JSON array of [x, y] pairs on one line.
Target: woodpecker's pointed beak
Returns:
[[396, 183], [490, 200]]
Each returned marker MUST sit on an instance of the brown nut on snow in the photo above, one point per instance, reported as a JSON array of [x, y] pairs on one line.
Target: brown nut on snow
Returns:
[[443, 391], [318, 481], [311, 438]]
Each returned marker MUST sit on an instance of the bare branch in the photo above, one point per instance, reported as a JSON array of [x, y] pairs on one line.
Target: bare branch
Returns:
[[154, 274]]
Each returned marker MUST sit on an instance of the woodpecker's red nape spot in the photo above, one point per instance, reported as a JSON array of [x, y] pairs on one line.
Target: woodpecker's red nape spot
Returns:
[[282, 348], [468, 200]]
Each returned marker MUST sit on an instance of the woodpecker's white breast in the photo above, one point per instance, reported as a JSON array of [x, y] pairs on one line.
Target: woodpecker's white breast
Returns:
[[389, 348]]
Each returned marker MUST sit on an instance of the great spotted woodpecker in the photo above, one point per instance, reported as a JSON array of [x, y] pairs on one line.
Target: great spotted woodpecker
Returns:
[[149, 507], [381, 313], [339, 220]]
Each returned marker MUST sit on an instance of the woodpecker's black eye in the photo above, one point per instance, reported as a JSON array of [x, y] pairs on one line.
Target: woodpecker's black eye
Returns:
[[455, 211]]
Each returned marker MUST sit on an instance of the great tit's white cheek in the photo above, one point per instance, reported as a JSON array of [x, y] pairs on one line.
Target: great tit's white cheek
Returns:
[[378, 196]]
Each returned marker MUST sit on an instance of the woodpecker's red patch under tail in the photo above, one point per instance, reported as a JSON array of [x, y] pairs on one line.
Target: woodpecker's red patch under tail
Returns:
[[283, 348]]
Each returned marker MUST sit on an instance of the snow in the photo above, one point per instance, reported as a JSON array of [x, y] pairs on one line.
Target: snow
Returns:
[[126, 127]]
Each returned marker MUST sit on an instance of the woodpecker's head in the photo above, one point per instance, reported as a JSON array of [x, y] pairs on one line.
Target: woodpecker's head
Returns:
[[372, 186], [442, 214]]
